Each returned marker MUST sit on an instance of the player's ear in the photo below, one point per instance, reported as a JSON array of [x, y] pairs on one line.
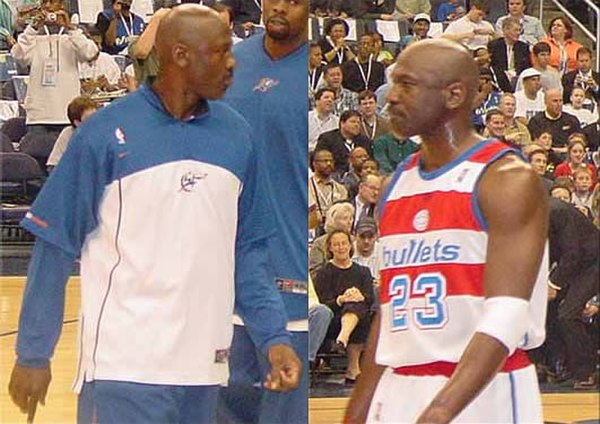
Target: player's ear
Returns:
[[455, 95], [180, 55]]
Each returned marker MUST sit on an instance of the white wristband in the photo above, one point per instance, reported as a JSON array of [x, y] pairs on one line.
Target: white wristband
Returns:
[[506, 319]]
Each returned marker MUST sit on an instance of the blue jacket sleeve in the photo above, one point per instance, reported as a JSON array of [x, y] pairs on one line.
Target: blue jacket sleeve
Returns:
[[257, 299], [43, 304]]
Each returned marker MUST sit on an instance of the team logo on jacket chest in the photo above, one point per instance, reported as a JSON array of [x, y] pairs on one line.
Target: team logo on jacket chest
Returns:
[[189, 180], [421, 220], [265, 84]]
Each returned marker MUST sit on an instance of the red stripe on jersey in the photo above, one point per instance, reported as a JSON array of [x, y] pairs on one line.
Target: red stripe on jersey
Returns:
[[488, 152], [446, 210], [516, 361], [461, 279]]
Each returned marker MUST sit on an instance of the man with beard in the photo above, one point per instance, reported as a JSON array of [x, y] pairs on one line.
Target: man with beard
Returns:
[[270, 92], [157, 301], [452, 322]]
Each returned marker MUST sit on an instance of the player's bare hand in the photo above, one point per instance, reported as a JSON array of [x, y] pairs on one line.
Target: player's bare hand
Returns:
[[28, 384], [286, 369]]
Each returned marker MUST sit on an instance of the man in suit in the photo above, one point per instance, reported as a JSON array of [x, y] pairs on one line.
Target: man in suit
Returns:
[[583, 77], [368, 194], [340, 142], [509, 55]]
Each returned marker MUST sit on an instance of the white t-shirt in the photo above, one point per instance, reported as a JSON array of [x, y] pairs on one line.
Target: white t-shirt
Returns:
[[526, 107], [464, 24]]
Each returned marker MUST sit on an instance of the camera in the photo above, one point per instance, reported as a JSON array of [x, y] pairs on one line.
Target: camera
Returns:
[[52, 17]]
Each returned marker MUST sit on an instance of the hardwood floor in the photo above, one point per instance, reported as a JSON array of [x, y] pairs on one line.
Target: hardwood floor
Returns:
[[61, 401]]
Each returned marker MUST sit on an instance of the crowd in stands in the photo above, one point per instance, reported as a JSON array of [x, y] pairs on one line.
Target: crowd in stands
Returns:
[[537, 93]]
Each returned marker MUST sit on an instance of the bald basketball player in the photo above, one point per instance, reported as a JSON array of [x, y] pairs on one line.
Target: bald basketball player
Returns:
[[463, 279], [161, 197]]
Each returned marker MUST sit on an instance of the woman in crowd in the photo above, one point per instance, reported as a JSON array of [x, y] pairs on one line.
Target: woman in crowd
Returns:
[[576, 158], [339, 216], [563, 49], [333, 44], [347, 289]]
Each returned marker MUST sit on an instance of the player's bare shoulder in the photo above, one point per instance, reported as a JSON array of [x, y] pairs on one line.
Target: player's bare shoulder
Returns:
[[510, 190]]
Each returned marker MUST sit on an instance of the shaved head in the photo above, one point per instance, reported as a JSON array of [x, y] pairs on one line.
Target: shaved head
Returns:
[[424, 95], [194, 50]]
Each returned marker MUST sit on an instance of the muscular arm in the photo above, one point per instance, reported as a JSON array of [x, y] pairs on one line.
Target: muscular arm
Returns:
[[358, 406], [517, 217]]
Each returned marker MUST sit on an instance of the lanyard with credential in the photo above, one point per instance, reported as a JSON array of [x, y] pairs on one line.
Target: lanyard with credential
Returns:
[[362, 73], [50, 53], [312, 79], [373, 129], [128, 29]]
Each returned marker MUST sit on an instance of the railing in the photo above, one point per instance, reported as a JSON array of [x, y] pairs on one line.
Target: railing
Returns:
[[595, 38]]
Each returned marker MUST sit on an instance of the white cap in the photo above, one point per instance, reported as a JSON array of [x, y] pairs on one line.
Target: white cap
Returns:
[[421, 16], [530, 72]]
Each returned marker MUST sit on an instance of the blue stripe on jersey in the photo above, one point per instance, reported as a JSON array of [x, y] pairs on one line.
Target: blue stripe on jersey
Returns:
[[455, 162], [513, 398], [475, 197]]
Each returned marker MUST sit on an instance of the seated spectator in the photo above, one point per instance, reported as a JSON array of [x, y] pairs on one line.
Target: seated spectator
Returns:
[[561, 125], [358, 156], [582, 192], [340, 142], [487, 98], [484, 61], [333, 45], [118, 24], [366, 199], [408, 9], [79, 109], [7, 25], [532, 29], [333, 77], [364, 72], [370, 166], [562, 191], [315, 70], [101, 73], [451, 10], [347, 289], [52, 83], [321, 119], [364, 246], [577, 109], [515, 132], [576, 159], [549, 76], [319, 318], [322, 187], [390, 151], [544, 140], [563, 49], [529, 100], [246, 15], [509, 55], [385, 57], [420, 28], [495, 125], [372, 126], [584, 77], [538, 158], [472, 30], [331, 8], [339, 217], [374, 9]]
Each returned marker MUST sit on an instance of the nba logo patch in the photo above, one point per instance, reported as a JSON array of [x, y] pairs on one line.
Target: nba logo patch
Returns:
[[120, 136], [421, 220]]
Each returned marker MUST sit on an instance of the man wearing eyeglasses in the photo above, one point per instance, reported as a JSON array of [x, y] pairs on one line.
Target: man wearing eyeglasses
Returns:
[[117, 25]]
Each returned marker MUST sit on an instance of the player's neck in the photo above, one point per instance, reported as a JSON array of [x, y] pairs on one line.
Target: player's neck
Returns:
[[178, 101], [447, 144], [277, 49]]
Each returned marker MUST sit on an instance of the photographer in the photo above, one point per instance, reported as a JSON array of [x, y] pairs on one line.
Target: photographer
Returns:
[[117, 25], [52, 47]]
